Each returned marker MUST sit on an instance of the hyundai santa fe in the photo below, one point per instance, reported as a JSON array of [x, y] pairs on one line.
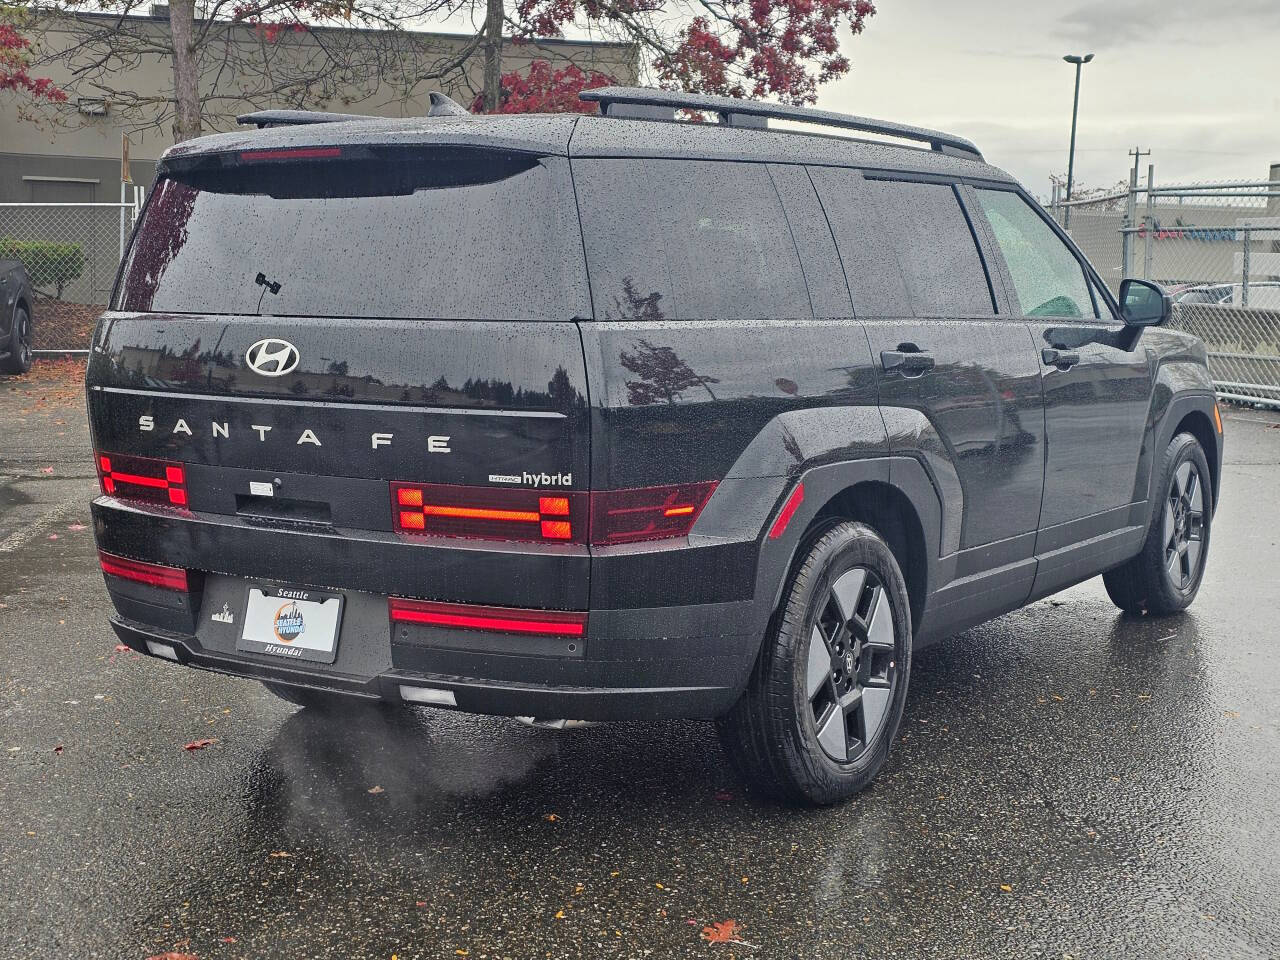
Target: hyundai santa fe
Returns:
[[626, 417]]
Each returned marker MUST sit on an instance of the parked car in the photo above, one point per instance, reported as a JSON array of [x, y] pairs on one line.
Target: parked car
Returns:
[[621, 417], [15, 317], [1204, 293]]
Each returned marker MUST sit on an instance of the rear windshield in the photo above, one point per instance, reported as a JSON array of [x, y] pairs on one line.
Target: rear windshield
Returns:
[[453, 233]]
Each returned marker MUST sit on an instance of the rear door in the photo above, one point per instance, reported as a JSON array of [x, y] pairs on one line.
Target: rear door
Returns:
[[302, 335], [959, 385], [1097, 387]]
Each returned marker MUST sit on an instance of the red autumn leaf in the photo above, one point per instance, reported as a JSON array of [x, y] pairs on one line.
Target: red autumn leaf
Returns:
[[121, 648], [722, 931], [58, 749], [199, 744], [226, 939], [171, 955]]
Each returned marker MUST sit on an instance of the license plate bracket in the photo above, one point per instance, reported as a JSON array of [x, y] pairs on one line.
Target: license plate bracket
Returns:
[[294, 623]]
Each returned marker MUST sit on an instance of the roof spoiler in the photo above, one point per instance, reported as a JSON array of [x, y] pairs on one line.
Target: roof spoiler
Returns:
[[441, 106], [649, 104]]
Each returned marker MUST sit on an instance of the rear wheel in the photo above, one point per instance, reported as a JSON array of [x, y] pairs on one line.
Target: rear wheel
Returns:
[[1165, 577], [823, 703], [19, 359]]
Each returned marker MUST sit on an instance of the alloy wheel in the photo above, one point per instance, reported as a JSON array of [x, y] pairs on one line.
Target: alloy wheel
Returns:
[[24, 338], [851, 670], [1184, 525]]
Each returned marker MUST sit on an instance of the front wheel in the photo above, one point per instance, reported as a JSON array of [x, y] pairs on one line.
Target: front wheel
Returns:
[[1165, 577], [822, 706]]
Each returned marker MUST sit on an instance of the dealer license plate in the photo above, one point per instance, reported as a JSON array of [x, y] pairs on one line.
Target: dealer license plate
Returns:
[[291, 622]]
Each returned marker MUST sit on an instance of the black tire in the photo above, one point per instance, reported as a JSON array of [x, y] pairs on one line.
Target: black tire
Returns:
[[1165, 577], [779, 734], [325, 701], [19, 358]]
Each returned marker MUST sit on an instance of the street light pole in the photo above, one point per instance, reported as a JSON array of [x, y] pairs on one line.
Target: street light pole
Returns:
[[1075, 110]]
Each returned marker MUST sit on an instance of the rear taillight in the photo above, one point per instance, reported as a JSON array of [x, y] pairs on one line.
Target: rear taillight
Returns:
[[444, 510], [467, 616], [152, 574], [647, 513], [143, 478], [616, 516]]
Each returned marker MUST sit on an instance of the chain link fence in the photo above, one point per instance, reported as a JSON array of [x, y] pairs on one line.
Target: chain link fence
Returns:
[[71, 252], [1216, 248]]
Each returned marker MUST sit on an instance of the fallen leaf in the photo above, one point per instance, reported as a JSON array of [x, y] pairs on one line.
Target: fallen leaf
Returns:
[[376, 789], [58, 749], [722, 931], [550, 817], [1006, 888], [723, 795], [77, 527], [420, 903], [280, 853], [559, 914], [122, 648], [199, 744], [171, 955], [462, 953], [226, 939], [53, 536], [46, 469]]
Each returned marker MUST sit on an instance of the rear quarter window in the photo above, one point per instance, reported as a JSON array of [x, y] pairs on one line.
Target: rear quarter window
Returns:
[[460, 234], [687, 240]]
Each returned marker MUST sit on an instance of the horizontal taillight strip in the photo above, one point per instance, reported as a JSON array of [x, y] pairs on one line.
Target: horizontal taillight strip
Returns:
[[152, 574], [467, 616], [143, 478], [495, 513]]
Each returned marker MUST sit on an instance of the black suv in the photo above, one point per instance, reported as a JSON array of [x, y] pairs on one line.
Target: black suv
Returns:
[[619, 417]]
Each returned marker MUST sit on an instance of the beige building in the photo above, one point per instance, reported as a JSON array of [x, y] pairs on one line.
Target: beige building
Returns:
[[75, 155]]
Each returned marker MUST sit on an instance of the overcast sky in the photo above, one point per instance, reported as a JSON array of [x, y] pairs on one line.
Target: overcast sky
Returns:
[[1197, 83]]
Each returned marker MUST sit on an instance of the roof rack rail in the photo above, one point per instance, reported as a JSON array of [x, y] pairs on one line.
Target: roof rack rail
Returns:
[[647, 103], [441, 106]]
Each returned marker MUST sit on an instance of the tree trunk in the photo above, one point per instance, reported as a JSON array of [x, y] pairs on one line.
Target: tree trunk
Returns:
[[493, 22], [186, 72]]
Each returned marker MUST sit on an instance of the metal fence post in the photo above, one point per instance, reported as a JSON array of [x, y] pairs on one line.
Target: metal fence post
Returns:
[[1126, 227], [1148, 222], [1244, 279]]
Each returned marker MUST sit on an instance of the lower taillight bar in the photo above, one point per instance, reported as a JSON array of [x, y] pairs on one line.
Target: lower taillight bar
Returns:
[[152, 574], [469, 616]]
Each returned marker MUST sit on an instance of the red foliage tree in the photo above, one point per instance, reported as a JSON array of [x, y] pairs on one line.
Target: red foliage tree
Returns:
[[546, 89], [738, 48], [15, 75]]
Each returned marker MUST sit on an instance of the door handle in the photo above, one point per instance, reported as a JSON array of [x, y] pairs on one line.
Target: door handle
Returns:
[[911, 363], [1062, 359]]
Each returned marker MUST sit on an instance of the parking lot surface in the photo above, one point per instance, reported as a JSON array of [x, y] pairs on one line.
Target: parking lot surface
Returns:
[[1068, 782]]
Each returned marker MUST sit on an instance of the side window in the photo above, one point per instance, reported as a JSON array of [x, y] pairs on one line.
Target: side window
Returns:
[[931, 238], [1047, 277], [875, 279], [687, 240]]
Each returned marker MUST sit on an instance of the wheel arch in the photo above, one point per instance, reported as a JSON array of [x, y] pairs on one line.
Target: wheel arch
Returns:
[[1198, 424], [892, 495]]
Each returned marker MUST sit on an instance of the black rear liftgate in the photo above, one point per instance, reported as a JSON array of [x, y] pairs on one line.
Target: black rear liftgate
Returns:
[[350, 374]]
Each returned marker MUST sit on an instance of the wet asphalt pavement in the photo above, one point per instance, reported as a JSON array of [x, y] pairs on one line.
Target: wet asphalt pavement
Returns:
[[1068, 783]]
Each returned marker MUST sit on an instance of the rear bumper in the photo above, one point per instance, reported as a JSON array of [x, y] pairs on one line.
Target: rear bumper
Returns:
[[613, 696]]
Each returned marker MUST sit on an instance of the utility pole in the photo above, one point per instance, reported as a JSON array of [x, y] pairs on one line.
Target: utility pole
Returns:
[[1075, 111], [1130, 214]]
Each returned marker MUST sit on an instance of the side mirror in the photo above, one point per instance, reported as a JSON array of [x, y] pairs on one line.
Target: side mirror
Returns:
[[1144, 304]]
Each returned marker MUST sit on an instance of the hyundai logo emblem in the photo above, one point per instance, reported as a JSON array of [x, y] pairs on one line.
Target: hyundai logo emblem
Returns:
[[272, 357]]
